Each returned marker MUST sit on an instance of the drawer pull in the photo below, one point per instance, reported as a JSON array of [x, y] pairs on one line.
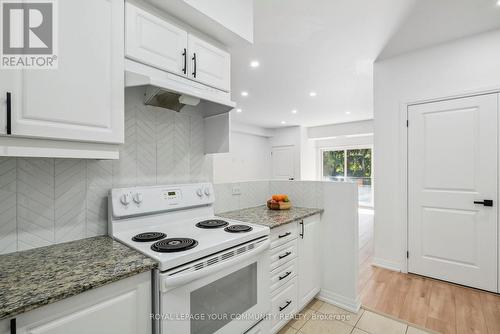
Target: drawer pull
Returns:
[[285, 276], [284, 255], [286, 305], [284, 235]]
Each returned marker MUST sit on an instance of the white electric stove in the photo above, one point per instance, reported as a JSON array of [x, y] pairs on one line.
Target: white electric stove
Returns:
[[213, 272]]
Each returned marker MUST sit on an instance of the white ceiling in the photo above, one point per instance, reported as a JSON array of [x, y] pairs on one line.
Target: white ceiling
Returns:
[[326, 46], [329, 46], [433, 22]]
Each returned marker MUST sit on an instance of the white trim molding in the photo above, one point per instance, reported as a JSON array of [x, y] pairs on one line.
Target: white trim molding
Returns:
[[386, 264], [349, 304]]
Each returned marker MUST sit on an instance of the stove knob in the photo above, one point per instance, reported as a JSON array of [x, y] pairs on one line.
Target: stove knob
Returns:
[[125, 199], [199, 192], [207, 191], [138, 198]]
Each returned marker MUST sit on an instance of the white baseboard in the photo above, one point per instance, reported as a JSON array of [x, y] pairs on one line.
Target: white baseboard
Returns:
[[343, 302], [386, 264]]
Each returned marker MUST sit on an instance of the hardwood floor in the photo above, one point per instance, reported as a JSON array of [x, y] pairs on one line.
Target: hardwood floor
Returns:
[[436, 305]]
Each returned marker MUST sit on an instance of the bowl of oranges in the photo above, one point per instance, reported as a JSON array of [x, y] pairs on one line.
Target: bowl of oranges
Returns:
[[279, 202]]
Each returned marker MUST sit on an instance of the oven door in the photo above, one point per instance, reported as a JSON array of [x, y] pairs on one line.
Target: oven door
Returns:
[[225, 293]]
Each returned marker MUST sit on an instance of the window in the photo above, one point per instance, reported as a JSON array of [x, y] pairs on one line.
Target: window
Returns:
[[350, 165]]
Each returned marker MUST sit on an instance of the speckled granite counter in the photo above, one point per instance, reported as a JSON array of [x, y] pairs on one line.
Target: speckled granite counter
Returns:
[[41, 276], [272, 218]]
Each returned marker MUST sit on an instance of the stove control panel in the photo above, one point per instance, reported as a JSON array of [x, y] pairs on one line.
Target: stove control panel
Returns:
[[126, 202]]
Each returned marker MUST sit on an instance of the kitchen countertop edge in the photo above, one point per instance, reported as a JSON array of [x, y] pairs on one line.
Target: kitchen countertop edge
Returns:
[[261, 215], [140, 265]]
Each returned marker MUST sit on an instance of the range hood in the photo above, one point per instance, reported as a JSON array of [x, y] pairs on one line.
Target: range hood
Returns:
[[173, 92]]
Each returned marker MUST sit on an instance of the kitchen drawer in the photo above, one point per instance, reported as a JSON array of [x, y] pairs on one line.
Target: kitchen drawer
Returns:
[[283, 274], [281, 235], [284, 305], [282, 254]]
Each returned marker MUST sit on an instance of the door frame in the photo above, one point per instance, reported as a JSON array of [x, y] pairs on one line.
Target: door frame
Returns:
[[403, 165]]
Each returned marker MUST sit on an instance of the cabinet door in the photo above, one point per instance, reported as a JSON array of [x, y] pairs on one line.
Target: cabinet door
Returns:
[[83, 99], [153, 41], [209, 64], [309, 259], [120, 308]]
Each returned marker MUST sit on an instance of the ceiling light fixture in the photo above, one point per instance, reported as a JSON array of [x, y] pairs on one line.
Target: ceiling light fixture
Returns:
[[294, 111], [254, 63], [312, 94], [283, 122], [239, 110], [347, 112], [498, 3], [244, 93]]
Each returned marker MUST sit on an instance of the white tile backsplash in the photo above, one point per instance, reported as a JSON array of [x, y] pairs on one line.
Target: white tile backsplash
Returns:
[[46, 201], [255, 193]]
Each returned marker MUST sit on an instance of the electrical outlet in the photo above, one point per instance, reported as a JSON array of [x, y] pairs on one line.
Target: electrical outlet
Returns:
[[236, 190]]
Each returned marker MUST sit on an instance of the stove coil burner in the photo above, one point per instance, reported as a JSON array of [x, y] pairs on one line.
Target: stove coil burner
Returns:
[[149, 236], [172, 245], [212, 223], [238, 228]]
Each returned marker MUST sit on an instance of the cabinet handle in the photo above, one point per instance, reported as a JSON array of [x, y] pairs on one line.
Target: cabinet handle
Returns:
[[284, 235], [184, 70], [194, 69], [13, 329], [284, 255], [302, 229], [285, 276], [9, 113], [286, 305]]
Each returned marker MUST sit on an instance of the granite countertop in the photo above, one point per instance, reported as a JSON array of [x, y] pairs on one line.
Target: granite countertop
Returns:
[[272, 218], [36, 277]]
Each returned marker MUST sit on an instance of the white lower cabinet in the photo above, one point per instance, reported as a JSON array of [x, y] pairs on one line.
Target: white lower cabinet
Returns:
[[295, 268], [284, 305], [123, 307], [309, 264]]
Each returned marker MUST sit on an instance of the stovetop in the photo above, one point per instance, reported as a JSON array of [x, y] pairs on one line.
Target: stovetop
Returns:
[[207, 240]]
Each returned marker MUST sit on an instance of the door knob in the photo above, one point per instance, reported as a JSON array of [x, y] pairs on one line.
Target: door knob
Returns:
[[486, 202]]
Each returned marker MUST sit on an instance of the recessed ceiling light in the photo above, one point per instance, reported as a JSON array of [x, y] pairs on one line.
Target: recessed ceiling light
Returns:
[[498, 3], [312, 94], [244, 93], [254, 63], [347, 112], [283, 122], [239, 110], [294, 111]]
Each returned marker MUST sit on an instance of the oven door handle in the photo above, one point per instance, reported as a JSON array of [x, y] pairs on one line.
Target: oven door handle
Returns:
[[180, 278]]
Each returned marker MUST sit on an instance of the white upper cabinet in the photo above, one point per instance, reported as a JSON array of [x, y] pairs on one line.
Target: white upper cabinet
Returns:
[[83, 99], [209, 64], [155, 42]]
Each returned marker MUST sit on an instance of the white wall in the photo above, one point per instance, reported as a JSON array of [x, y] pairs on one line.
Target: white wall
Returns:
[[340, 129], [467, 65], [249, 158]]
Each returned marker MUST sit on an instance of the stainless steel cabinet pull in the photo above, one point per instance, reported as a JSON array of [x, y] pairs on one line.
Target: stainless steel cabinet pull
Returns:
[[284, 255], [285, 276], [284, 235], [286, 305], [194, 69], [302, 233], [184, 69], [9, 113], [13, 329]]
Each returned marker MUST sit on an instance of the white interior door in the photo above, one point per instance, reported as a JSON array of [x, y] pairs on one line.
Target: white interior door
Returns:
[[283, 162], [452, 163]]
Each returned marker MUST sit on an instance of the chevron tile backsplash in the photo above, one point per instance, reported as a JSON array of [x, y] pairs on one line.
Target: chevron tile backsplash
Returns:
[[47, 201]]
